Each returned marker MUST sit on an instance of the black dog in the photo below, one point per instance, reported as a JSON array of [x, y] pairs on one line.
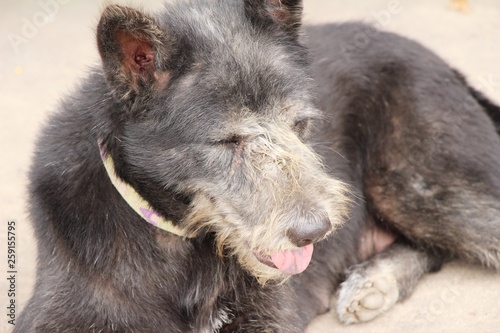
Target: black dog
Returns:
[[204, 121]]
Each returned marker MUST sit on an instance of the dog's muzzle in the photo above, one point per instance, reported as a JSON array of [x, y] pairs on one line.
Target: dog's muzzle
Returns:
[[295, 261]]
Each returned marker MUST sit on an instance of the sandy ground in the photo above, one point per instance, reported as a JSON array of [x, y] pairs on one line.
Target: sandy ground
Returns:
[[46, 48]]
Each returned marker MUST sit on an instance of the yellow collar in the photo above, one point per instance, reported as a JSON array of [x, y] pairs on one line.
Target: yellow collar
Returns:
[[138, 204]]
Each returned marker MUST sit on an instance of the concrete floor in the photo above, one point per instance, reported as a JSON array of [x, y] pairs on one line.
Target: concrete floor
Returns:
[[42, 57]]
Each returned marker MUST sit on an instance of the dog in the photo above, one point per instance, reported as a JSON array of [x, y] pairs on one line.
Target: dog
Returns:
[[225, 169]]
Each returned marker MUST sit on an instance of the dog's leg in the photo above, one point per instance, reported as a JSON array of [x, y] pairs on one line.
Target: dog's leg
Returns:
[[441, 198], [437, 181], [374, 286]]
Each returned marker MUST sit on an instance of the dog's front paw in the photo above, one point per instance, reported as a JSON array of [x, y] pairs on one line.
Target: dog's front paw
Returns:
[[363, 297]]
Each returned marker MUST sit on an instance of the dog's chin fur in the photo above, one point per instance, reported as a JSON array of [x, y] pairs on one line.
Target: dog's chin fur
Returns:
[[263, 273], [203, 218], [246, 257], [237, 239]]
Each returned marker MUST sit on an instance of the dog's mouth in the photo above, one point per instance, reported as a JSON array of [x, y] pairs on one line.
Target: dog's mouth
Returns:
[[289, 262]]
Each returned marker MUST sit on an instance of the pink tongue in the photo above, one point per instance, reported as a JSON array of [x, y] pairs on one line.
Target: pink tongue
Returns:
[[293, 262]]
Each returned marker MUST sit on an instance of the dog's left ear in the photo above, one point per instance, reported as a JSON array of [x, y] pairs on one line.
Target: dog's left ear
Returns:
[[135, 52], [287, 14]]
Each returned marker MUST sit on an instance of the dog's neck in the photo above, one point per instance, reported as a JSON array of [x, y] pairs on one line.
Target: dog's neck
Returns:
[[134, 200]]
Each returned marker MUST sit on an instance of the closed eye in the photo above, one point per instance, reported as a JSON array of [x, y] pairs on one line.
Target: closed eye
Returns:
[[233, 140]]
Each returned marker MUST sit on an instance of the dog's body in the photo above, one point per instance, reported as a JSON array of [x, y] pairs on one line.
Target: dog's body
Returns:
[[204, 112]]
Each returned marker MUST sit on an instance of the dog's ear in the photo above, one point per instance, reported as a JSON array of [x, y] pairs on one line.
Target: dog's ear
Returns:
[[134, 50], [287, 14]]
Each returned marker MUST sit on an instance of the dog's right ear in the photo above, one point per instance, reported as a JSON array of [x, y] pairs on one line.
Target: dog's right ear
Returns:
[[135, 52], [284, 14]]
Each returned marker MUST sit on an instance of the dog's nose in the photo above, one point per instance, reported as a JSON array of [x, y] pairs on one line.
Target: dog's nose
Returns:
[[308, 233]]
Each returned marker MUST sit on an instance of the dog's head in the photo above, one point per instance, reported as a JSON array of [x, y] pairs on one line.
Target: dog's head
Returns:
[[213, 113]]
